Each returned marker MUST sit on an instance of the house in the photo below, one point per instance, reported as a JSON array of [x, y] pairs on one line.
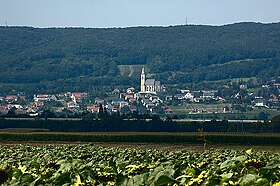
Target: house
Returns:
[[72, 104], [265, 86], [209, 93], [11, 98], [93, 109], [116, 109], [277, 85], [42, 97], [168, 98], [260, 102], [33, 114], [31, 110], [130, 90], [273, 99], [180, 96], [39, 103], [198, 100], [123, 104], [196, 111], [238, 95], [220, 99], [78, 96], [17, 106], [119, 103], [185, 91], [128, 97], [67, 94], [116, 91], [189, 96], [53, 97]]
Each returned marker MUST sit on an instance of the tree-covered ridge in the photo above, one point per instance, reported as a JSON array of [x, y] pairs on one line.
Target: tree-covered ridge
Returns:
[[88, 56]]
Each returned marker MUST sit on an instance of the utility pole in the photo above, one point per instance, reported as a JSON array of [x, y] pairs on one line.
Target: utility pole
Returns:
[[186, 20]]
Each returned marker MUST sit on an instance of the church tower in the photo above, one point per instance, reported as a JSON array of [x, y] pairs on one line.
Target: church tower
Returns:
[[143, 78]]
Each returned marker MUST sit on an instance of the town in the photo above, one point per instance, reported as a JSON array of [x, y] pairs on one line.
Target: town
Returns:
[[239, 100]]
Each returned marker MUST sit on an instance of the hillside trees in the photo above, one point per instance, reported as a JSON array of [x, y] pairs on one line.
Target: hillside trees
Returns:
[[85, 57]]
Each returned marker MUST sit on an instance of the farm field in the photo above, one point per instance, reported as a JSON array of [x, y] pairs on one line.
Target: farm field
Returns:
[[89, 164], [204, 138], [216, 110]]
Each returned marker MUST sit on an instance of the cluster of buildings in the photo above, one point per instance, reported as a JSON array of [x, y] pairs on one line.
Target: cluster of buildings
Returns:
[[152, 98]]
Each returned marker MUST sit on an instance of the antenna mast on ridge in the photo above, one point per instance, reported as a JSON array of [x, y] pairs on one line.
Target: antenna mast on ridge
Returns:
[[186, 20]]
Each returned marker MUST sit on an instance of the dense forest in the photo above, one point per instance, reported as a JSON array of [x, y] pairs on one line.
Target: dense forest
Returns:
[[79, 59]]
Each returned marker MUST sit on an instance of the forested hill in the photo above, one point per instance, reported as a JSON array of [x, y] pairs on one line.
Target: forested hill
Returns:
[[60, 59]]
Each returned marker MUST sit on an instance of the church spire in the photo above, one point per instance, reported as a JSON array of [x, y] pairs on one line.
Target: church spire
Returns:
[[143, 79]]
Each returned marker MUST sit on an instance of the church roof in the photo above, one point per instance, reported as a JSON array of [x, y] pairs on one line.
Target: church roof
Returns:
[[150, 82], [157, 83]]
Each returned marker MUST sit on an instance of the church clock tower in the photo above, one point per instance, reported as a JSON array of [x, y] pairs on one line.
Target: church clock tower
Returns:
[[143, 78]]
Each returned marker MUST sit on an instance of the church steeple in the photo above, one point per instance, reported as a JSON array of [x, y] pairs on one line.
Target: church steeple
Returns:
[[143, 79]]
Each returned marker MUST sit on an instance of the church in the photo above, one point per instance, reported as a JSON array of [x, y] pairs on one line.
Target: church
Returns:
[[149, 85]]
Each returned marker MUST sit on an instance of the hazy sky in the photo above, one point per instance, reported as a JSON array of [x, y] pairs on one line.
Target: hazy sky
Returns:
[[127, 13]]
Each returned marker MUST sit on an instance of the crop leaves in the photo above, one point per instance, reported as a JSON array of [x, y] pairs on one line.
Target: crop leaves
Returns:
[[93, 165]]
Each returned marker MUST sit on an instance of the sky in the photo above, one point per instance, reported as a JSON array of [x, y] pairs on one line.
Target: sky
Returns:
[[131, 13]]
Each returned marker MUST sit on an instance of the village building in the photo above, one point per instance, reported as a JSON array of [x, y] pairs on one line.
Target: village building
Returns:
[[11, 98], [149, 85], [260, 102], [277, 85], [130, 90], [93, 109], [78, 96], [116, 91], [72, 104], [42, 97]]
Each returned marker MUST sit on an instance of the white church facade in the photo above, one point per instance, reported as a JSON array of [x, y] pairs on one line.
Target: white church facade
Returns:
[[149, 85]]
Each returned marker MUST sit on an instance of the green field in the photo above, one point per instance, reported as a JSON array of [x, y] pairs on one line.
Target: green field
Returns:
[[130, 70], [89, 164], [215, 110]]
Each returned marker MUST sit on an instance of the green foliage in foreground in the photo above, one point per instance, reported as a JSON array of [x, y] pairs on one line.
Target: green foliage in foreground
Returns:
[[91, 165]]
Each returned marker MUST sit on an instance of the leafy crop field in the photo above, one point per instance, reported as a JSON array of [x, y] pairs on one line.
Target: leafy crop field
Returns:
[[94, 165]]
